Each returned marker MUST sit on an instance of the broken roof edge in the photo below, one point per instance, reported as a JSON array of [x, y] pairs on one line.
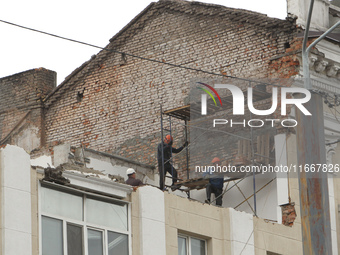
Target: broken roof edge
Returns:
[[197, 3], [191, 3], [121, 158], [95, 185], [160, 4], [38, 69], [223, 8], [134, 20]]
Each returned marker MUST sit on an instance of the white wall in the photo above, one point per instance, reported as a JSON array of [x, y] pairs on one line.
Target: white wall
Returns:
[[152, 221], [266, 198], [16, 201], [241, 233]]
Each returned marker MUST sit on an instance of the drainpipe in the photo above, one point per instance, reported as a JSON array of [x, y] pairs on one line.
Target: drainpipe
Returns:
[[314, 197]]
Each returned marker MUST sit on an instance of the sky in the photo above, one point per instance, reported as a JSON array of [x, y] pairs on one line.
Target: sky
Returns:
[[93, 22]]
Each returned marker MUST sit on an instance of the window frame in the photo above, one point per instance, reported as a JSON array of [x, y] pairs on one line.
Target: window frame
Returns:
[[188, 243], [83, 224]]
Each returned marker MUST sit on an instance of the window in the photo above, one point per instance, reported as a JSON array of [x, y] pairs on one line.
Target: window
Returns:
[[191, 246], [80, 224]]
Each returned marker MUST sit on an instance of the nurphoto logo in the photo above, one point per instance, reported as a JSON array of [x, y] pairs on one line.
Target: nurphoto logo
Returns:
[[238, 105]]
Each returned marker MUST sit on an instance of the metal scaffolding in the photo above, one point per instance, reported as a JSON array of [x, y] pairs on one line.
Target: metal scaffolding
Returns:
[[183, 113]]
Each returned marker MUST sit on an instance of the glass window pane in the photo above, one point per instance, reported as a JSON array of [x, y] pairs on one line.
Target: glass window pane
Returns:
[[106, 214], [197, 246], [52, 236], [62, 203], [118, 244], [182, 246], [95, 242], [74, 240]]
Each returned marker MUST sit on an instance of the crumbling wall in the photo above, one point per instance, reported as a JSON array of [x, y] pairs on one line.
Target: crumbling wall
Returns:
[[21, 108], [288, 214], [112, 103]]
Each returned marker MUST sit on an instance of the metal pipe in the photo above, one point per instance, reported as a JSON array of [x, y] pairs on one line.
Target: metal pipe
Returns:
[[322, 36], [314, 198], [187, 150], [162, 146], [305, 60], [313, 187], [171, 161], [306, 50], [252, 161]]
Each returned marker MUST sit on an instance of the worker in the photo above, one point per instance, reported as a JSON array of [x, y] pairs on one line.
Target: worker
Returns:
[[131, 173], [215, 184], [167, 152]]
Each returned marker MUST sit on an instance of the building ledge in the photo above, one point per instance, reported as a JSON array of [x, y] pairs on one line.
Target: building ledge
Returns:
[[92, 184]]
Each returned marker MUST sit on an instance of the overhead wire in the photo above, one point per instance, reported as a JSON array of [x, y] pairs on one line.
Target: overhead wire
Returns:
[[136, 56], [115, 51]]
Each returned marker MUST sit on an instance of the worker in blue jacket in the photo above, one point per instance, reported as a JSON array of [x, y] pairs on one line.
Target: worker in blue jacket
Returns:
[[215, 184]]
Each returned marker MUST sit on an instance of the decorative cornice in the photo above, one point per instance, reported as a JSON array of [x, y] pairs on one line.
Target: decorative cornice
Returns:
[[320, 65], [332, 70], [319, 83], [329, 67]]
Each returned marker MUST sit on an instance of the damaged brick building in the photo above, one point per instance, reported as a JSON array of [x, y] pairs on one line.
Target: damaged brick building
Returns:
[[111, 103]]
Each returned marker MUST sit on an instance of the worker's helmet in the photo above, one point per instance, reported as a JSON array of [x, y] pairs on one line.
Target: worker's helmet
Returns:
[[215, 159], [130, 171], [168, 139]]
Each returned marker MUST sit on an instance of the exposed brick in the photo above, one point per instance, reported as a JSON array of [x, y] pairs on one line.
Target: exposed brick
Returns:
[[120, 108], [288, 214], [21, 104]]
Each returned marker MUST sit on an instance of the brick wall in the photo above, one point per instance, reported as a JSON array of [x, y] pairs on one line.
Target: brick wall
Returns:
[[288, 214], [113, 105], [21, 106]]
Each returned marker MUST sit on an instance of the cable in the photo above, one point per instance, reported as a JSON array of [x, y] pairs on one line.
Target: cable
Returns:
[[246, 199], [135, 56], [257, 222], [253, 194]]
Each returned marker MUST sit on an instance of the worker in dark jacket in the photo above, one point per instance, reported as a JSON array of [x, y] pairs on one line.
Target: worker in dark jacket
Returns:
[[131, 173], [167, 152], [215, 184]]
